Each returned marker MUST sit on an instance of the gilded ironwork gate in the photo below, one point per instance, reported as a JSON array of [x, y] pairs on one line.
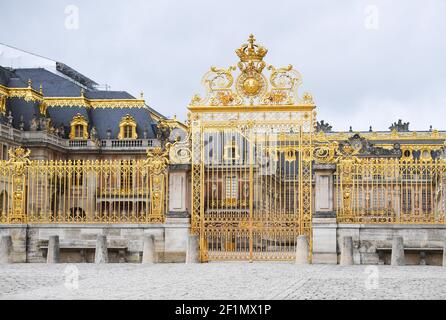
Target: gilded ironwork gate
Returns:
[[251, 161]]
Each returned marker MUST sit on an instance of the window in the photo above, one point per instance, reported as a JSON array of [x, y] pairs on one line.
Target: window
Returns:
[[79, 127], [79, 131], [128, 132], [231, 190], [127, 128], [126, 176], [407, 200], [4, 152], [77, 179], [426, 200], [231, 152]]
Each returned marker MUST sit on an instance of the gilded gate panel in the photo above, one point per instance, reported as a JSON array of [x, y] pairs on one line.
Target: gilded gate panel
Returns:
[[65, 191], [252, 158]]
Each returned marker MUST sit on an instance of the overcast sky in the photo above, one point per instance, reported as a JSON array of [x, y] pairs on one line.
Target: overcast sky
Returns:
[[365, 62]]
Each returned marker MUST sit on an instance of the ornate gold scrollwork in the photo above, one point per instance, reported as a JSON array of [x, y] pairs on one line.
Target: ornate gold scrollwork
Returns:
[[218, 83], [180, 153], [157, 162], [18, 159], [42, 108], [2, 104], [284, 84], [346, 163], [251, 86], [324, 150]]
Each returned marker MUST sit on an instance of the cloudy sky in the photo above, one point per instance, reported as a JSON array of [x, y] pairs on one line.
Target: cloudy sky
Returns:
[[365, 62]]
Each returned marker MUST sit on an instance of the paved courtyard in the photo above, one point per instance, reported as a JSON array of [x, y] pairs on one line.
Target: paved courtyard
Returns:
[[220, 281]]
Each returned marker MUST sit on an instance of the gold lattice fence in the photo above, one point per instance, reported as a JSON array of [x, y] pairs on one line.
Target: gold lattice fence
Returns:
[[390, 191], [116, 191]]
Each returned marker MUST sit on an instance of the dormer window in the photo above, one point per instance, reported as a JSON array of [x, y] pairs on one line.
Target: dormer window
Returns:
[[128, 131], [79, 127], [127, 128], [78, 131]]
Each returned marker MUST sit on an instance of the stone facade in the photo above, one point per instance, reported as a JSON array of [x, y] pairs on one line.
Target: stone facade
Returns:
[[77, 242]]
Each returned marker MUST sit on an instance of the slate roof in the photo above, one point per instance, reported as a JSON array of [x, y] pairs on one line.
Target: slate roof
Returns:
[[5, 75], [55, 85]]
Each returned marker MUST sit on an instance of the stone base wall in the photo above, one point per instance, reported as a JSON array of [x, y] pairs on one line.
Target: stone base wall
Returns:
[[368, 237], [172, 236], [18, 233], [170, 240]]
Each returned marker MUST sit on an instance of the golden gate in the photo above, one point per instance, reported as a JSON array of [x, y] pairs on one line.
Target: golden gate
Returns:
[[251, 161]]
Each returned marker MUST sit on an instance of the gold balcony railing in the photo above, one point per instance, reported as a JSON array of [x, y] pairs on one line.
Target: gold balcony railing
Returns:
[[117, 191]]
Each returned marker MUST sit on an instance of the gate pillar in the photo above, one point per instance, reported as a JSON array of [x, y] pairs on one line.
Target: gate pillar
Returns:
[[324, 220], [177, 222], [18, 160]]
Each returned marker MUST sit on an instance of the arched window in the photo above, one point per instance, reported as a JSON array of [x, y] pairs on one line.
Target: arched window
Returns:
[[79, 127], [127, 128]]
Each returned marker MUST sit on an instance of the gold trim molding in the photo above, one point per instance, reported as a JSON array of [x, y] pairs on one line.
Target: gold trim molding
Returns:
[[390, 135], [252, 85], [31, 95]]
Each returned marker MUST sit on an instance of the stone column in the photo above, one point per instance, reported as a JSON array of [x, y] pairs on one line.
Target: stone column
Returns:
[[193, 249], [5, 249], [177, 188], [177, 224], [324, 220], [53, 250], [347, 251], [302, 250], [101, 253], [148, 253], [398, 252]]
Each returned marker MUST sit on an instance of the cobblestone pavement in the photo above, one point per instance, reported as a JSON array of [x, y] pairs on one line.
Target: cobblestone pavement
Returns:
[[220, 281]]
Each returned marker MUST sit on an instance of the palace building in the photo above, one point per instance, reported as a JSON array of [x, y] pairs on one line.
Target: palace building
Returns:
[[250, 171]]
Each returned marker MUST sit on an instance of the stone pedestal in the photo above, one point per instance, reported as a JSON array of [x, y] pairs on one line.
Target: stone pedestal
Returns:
[[5, 249], [444, 254], [323, 174], [324, 240], [176, 237], [53, 250], [324, 220], [101, 253], [177, 218], [302, 250], [20, 237], [148, 254], [177, 188], [193, 250], [346, 251], [398, 252]]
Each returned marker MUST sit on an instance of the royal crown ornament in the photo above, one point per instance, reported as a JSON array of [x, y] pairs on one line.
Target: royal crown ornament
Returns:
[[251, 55]]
